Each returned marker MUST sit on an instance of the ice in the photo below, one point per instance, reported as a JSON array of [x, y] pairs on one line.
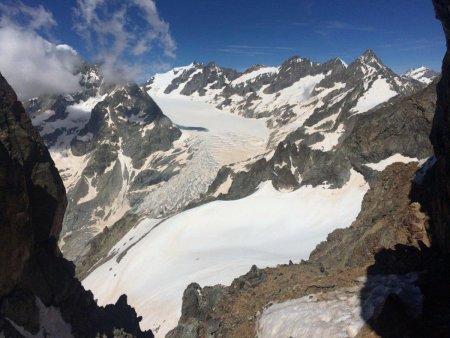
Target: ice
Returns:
[[211, 139], [219, 241]]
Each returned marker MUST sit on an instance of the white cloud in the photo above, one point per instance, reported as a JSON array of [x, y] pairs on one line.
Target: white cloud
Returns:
[[35, 17], [119, 33], [31, 64]]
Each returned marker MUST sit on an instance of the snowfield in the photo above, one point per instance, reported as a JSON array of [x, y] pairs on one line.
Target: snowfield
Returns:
[[219, 241], [230, 138], [380, 92]]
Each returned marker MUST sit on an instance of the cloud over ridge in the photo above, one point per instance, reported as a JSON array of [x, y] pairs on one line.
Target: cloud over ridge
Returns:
[[120, 31], [32, 64]]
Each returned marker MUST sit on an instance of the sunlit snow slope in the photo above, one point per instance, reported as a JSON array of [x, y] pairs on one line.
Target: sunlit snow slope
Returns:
[[218, 241]]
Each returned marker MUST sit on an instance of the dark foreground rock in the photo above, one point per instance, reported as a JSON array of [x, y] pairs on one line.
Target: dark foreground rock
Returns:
[[440, 138], [38, 291]]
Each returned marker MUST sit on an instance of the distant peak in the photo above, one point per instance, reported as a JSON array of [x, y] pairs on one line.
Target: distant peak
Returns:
[[369, 54], [419, 69], [370, 58], [423, 74], [338, 61], [295, 58]]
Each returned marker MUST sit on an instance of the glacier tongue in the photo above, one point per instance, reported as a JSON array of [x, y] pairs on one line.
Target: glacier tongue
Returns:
[[213, 138]]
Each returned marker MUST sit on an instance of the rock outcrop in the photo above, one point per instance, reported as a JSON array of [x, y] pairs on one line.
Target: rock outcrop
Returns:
[[39, 294], [440, 138]]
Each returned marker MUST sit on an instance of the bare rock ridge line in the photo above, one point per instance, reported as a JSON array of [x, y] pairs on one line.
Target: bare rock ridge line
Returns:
[[39, 294]]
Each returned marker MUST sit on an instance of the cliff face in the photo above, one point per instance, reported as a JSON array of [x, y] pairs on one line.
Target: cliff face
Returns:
[[38, 291], [440, 138], [32, 201]]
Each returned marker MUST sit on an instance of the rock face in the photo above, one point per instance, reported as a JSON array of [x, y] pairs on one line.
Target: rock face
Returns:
[[38, 291], [103, 139], [388, 216], [440, 138]]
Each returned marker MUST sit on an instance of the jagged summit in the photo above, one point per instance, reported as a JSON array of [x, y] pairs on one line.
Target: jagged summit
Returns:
[[370, 58], [296, 62]]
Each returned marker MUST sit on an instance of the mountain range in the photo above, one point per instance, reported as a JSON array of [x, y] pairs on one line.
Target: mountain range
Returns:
[[142, 164]]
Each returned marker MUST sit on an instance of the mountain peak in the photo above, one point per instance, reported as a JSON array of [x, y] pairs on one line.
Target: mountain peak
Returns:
[[371, 60], [337, 61], [254, 68], [295, 59], [341, 62], [369, 55]]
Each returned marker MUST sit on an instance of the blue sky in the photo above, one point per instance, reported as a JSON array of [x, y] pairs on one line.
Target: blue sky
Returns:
[[404, 33], [240, 33]]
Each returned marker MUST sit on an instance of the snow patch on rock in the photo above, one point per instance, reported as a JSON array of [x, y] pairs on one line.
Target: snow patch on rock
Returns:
[[383, 164]]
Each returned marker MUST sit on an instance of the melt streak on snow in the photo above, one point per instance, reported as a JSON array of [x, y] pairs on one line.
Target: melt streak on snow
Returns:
[[218, 241]]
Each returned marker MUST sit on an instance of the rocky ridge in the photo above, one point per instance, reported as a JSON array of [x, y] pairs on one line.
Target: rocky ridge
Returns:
[[401, 126], [297, 91]]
